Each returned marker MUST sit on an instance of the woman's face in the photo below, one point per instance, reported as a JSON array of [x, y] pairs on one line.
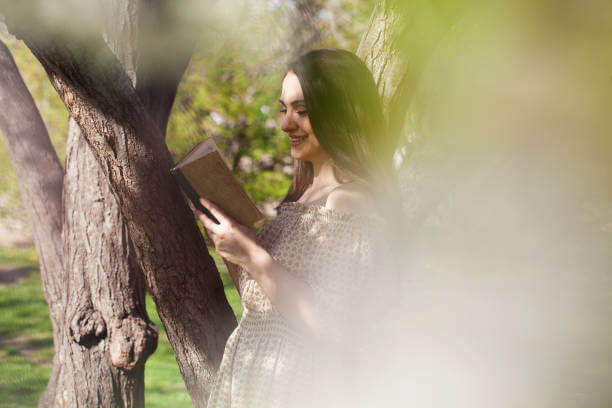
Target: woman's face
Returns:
[[295, 122]]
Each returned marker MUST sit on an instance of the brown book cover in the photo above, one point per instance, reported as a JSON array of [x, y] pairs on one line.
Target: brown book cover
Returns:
[[204, 173]]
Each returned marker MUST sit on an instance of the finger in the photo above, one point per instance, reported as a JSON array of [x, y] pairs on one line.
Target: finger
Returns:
[[214, 210], [207, 223]]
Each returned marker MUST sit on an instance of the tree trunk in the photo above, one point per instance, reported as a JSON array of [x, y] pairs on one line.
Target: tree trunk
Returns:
[[398, 42], [109, 336], [99, 357], [39, 174], [396, 46], [102, 335], [181, 276]]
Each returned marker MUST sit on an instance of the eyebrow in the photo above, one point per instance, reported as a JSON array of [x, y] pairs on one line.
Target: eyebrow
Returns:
[[293, 103]]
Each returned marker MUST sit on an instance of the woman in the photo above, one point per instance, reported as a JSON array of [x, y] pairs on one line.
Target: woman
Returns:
[[304, 277]]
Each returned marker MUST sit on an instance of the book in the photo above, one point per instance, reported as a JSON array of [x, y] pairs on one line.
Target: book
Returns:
[[203, 172]]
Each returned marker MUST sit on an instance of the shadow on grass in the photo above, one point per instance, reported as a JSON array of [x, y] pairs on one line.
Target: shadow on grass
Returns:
[[11, 275]]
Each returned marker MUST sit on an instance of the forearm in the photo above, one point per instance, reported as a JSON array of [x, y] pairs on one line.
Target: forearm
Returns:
[[292, 297]]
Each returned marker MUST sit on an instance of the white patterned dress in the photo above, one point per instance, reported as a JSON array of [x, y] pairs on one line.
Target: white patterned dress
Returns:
[[268, 362]]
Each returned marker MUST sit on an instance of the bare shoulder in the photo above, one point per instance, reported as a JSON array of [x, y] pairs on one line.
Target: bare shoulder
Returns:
[[351, 197]]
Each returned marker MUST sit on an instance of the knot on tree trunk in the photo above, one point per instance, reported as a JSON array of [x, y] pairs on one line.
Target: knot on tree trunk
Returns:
[[87, 326], [132, 341]]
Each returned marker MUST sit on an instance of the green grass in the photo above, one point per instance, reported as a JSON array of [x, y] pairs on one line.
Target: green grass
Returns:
[[164, 385], [26, 341]]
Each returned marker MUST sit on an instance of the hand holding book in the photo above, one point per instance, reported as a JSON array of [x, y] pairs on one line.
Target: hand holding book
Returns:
[[234, 242], [204, 173]]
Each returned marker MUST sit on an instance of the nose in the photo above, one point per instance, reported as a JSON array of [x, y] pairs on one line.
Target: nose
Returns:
[[288, 123]]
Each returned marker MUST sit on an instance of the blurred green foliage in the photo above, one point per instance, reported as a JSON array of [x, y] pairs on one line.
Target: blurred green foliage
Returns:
[[229, 91], [223, 95]]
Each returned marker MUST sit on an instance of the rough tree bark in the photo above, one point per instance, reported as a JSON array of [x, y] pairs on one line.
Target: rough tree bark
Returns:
[[102, 333], [127, 142], [396, 45], [109, 335], [378, 49], [99, 358], [96, 256], [107, 321]]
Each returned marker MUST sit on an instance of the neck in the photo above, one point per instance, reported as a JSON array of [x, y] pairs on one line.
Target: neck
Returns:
[[323, 172]]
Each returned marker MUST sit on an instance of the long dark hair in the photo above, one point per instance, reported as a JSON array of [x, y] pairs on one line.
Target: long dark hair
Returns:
[[346, 116]]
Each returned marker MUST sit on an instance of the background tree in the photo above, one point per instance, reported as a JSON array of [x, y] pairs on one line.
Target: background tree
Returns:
[[103, 335]]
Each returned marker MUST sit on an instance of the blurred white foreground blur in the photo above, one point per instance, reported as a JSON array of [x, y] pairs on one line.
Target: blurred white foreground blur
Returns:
[[506, 277]]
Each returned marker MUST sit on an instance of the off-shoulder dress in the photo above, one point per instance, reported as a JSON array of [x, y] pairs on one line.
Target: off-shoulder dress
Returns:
[[268, 362]]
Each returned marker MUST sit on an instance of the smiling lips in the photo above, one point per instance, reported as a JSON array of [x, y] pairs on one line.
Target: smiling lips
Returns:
[[296, 140]]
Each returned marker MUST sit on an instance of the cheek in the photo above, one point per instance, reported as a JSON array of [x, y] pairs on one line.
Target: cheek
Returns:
[[305, 125]]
